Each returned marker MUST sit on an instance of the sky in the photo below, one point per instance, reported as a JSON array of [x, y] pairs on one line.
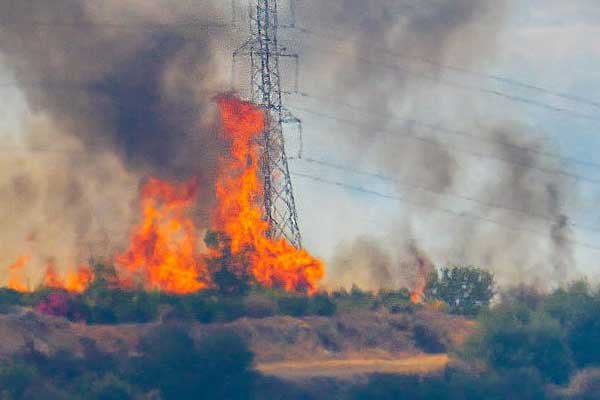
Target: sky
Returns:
[[545, 43]]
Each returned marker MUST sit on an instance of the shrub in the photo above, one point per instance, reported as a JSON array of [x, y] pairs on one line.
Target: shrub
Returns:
[[9, 297], [466, 290], [217, 368], [15, 379], [109, 387], [454, 385], [428, 340], [321, 304], [294, 305], [579, 312], [396, 301], [517, 337], [257, 306]]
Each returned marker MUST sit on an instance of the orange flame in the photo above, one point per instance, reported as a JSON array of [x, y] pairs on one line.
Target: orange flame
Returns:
[[76, 280], [273, 262], [16, 279], [163, 248], [417, 295]]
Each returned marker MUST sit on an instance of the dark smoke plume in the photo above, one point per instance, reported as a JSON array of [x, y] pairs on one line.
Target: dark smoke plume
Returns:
[[116, 91]]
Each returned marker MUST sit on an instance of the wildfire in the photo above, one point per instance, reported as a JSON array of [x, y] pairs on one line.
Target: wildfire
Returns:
[[163, 252], [16, 278], [423, 267], [163, 248], [76, 280], [272, 262]]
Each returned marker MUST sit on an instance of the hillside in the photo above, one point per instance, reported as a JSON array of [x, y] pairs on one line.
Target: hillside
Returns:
[[350, 343]]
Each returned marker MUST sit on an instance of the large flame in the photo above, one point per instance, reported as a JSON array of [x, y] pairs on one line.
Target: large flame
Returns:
[[240, 193], [163, 252]]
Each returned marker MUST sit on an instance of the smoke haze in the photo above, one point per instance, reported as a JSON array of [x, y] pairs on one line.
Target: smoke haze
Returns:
[[128, 87]]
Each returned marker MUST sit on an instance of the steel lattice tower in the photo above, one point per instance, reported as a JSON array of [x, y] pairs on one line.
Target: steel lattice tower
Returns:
[[264, 52]]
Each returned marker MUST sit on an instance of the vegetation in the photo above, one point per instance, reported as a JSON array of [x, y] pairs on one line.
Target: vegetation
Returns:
[[462, 290], [466, 290], [169, 364], [528, 345]]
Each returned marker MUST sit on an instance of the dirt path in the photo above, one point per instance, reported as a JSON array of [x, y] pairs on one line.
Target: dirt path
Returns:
[[419, 364]]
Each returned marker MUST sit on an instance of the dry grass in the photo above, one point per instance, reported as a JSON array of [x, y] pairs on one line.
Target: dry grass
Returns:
[[420, 364]]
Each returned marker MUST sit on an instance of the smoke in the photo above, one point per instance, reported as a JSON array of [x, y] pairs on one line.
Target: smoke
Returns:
[[128, 87], [363, 262], [369, 263], [116, 91], [503, 172]]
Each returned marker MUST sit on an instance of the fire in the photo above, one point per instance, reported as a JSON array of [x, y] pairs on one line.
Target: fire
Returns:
[[16, 278], [240, 191], [75, 281], [163, 251], [162, 254], [79, 280], [418, 293]]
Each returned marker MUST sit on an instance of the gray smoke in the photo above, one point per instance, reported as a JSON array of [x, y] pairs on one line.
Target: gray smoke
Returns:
[[116, 91], [348, 63]]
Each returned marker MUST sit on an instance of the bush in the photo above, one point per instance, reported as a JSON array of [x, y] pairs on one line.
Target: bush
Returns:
[[428, 340], [396, 301], [257, 306], [466, 290], [578, 310], [514, 337], [454, 385], [321, 304], [219, 367], [15, 379], [294, 305], [9, 297], [109, 387]]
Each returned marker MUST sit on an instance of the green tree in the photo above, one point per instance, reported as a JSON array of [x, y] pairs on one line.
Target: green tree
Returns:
[[466, 290]]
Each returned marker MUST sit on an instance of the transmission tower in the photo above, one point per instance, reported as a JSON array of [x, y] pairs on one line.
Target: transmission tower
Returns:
[[265, 53]]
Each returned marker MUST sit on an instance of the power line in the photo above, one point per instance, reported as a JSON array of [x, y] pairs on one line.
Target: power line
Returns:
[[437, 127], [435, 208], [385, 178], [446, 146], [331, 35], [431, 141], [459, 85]]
